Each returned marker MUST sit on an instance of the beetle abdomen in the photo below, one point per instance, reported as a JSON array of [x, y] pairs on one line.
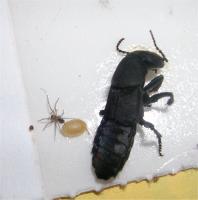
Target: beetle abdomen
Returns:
[[111, 149]]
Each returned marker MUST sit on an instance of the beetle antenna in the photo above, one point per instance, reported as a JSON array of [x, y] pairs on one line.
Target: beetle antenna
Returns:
[[118, 49], [158, 49]]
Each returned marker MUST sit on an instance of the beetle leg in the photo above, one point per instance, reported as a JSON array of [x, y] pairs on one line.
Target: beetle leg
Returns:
[[156, 97], [154, 85], [151, 126]]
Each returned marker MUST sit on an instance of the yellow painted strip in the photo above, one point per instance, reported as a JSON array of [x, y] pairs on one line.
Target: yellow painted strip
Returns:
[[184, 185]]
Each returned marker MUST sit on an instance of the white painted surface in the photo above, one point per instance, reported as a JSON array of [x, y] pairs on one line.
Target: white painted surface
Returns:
[[68, 48], [19, 169]]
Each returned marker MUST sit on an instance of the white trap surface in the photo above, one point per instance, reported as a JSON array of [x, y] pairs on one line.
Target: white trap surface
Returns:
[[68, 48]]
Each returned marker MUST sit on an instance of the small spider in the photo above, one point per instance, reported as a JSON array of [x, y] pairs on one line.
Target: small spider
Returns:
[[54, 117]]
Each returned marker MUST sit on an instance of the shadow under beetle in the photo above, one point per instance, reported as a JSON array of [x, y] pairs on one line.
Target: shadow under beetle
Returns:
[[125, 109]]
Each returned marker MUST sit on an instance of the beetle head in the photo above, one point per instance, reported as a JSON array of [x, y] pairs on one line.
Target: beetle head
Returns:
[[151, 60]]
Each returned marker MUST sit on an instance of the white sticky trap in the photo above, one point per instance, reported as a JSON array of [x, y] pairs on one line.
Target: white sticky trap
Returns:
[[68, 48]]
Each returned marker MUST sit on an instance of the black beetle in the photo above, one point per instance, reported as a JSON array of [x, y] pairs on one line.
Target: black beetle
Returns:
[[125, 109]]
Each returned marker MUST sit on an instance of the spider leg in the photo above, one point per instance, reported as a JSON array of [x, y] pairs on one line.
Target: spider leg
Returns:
[[44, 122], [62, 113], [55, 126], [48, 101], [59, 127], [47, 125], [47, 118], [88, 131], [56, 105], [67, 118]]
